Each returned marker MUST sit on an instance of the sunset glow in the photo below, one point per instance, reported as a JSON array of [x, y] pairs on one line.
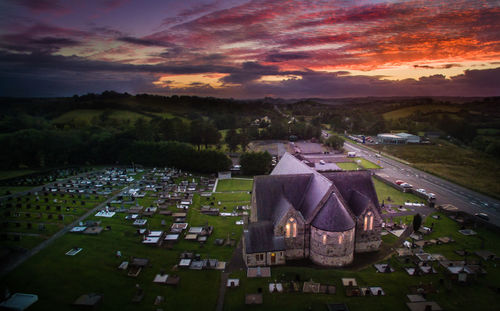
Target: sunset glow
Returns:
[[242, 49]]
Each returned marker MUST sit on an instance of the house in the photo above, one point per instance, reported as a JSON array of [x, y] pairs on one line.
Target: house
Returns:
[[299, 213]]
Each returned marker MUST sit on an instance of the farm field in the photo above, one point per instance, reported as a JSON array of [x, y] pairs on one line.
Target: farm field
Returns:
[[405, 112], [86, 115]]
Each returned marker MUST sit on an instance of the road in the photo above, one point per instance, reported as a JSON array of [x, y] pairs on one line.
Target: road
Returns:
[[446, 192]]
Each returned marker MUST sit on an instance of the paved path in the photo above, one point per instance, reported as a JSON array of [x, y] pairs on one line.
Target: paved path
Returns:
[[23, 257], [236, 263]]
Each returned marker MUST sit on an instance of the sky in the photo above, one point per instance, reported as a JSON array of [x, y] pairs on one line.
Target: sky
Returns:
[[250, 48]]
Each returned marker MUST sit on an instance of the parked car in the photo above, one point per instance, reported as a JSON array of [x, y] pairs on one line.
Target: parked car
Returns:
[[423, 191], [483, 216], [399, 182], [431, 195], [406, 185]]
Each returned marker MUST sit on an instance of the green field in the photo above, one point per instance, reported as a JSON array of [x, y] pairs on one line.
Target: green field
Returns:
[[405, 112], [469, 168], [15, 173], [367, 164], [13, 189], [86, 115], [348, 166], [385, 191], [234, 185]]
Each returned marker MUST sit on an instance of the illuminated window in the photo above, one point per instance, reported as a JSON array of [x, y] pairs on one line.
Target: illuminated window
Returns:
[[341, 238], [291, 228], [324, 239], [368, 224]]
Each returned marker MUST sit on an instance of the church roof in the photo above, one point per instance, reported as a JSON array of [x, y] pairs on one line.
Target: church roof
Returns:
[[259, 238], [328, 201], [333, 216]]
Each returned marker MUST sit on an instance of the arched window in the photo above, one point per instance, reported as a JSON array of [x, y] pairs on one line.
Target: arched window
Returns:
[[341, 238], [368, 223], [291, 228], [324, 239]]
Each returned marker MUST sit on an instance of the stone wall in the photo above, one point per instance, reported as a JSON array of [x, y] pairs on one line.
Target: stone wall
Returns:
[[256, 259], [369, 240], [294, 245], [328, 251]]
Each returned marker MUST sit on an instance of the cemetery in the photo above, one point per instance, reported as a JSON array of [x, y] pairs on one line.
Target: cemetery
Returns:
[[156, 238]]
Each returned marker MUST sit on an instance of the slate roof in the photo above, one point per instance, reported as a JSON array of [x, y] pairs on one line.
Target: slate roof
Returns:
[[317, 189], [274, 194], [259, 238], [360, 181], [329, 201], [333, 216]]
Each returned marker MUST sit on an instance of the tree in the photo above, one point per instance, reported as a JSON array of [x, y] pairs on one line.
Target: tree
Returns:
[[243, 139], [335, 142], [417, 222], [232, 140], [255, 163]]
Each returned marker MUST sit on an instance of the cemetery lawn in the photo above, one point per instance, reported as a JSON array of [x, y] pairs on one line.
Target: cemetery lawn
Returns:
[[234, 184], [450, 295], [58, 280], [397, 197]]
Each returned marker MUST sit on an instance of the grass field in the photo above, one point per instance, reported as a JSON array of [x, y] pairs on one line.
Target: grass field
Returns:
[[348, 166], [397, 197], [367, 164], [405, 112], [15, 173], [13, 189], [470, 168], [234, 185], [86, 115]]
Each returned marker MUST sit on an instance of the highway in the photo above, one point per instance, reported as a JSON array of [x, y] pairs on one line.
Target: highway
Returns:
[[446, 192]]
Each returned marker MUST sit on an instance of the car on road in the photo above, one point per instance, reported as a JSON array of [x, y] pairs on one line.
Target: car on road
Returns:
[[431, 195], [399, 182], [483, 216], [423, 191], [406, 185]]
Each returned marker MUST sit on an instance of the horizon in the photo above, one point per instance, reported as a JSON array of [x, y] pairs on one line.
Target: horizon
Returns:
[[251, 49]]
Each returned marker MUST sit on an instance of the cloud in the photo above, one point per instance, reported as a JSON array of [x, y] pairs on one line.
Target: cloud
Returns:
[[144, 42], [445, 66]]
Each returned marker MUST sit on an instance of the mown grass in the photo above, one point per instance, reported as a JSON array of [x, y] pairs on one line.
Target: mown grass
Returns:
[[348, 166], [469, 168], [367, 164], [385, 191], [6, 174], [234, 185], [4, 190]]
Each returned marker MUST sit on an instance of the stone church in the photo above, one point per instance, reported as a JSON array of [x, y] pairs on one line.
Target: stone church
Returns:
[[299, 213]]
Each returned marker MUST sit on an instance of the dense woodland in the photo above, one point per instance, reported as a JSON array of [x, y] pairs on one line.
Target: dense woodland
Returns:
[[194, 133]]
